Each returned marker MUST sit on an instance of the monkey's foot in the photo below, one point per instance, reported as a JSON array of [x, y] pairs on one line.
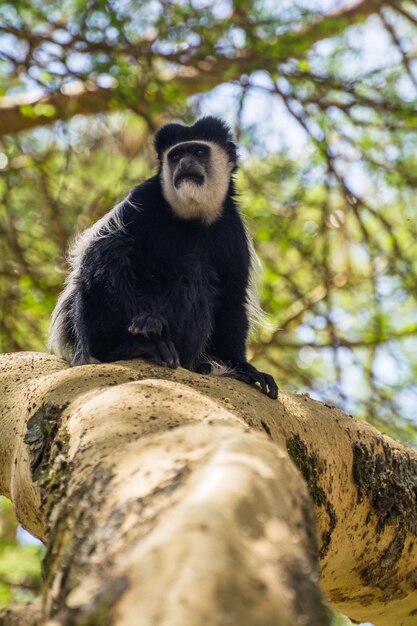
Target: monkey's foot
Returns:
[[160, 351], [148, 325], [156, 343], [250, 375], [165, 353]]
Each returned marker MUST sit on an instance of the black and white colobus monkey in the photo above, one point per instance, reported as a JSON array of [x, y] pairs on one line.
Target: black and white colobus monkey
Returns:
[[165, 275]]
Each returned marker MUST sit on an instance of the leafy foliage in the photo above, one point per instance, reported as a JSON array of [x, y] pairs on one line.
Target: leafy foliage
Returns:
[[20, 570]]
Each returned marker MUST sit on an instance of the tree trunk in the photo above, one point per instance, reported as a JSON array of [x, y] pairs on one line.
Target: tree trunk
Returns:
[[167, 498]]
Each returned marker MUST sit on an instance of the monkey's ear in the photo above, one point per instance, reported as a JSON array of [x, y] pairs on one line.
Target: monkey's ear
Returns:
[[231, 152], [169, 135]]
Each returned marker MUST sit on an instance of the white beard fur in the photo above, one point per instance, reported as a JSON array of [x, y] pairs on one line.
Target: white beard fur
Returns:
[[192, 201]]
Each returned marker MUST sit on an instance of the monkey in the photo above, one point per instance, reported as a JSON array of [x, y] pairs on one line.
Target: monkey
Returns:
[[166, 274]]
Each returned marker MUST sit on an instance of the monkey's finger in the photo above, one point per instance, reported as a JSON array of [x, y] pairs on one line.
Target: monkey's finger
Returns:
[[164, 356], [152, 325], [253, 379], [267, 384], [262, 383], [147, 325], [174, 353], [272, 386], [168, 353]]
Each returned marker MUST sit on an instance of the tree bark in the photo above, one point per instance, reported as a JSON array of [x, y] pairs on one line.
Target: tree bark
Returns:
[[168, 498]]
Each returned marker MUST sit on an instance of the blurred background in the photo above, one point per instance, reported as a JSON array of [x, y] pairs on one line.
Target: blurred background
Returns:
[[322, 96]]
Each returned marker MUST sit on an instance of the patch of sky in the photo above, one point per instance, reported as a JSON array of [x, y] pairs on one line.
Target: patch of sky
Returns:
[[275, 131], [25, 538], [221, 10], [387, 367], [406, 401], [366, 52], [78, 62], [306, 333], [12, 47], [61, 36]]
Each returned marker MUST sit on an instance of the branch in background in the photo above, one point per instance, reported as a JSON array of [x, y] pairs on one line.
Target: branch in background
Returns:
[[22, 614], [23, 112], [406, 61], [19, 113]]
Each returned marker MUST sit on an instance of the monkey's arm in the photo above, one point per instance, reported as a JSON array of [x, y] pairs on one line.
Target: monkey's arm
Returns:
[[231, 326], [112, 314], [228, 343]]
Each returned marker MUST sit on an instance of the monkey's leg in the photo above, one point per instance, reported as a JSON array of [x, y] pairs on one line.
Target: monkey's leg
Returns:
[[81, 349]]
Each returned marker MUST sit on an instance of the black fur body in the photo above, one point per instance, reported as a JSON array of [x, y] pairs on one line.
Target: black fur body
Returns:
[[193, 276]]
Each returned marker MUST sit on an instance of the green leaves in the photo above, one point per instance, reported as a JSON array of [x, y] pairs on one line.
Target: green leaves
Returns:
[[20, 563]]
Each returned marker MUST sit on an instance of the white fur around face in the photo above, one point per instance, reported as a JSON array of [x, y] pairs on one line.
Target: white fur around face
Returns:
[[191, 201]]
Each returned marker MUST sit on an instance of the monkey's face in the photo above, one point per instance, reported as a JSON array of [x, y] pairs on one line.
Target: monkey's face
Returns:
[[189, 163], [195, 179]]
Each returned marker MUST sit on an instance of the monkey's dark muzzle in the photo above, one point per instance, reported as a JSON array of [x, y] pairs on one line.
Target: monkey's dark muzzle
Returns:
[[197, 179], [187, 171]]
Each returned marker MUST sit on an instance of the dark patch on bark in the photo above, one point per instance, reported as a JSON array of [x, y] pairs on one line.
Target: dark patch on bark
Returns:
[[412, 579], [266, 429], [173, 482], [41, 431], [308, 601], [100, 611], [310, 529], [388, 479], [312, 469], [382, 573], [70, 545], [339, 596]]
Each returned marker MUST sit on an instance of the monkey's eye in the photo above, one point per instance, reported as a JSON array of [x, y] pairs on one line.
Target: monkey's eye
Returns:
[[174, 157], [200, 153]]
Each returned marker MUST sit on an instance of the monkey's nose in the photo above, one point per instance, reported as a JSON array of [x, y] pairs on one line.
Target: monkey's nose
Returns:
[[185, 164]]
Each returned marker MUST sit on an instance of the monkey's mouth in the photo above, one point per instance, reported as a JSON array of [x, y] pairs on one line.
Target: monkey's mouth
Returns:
[[191, 177]]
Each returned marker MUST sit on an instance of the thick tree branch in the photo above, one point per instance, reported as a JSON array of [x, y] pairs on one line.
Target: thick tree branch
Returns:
[[144, 469], [23, 112], [170, 510]]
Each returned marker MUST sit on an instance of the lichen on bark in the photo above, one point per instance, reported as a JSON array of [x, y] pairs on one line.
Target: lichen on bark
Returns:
[[388, 479], [311, 468], [41, 431]]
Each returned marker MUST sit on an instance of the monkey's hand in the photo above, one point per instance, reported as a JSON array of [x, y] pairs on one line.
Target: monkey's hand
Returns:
[[149, 326], [250, 375], [155, 331]]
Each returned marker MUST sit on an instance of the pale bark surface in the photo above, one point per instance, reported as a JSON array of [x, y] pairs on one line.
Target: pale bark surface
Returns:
[[159, 495]]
